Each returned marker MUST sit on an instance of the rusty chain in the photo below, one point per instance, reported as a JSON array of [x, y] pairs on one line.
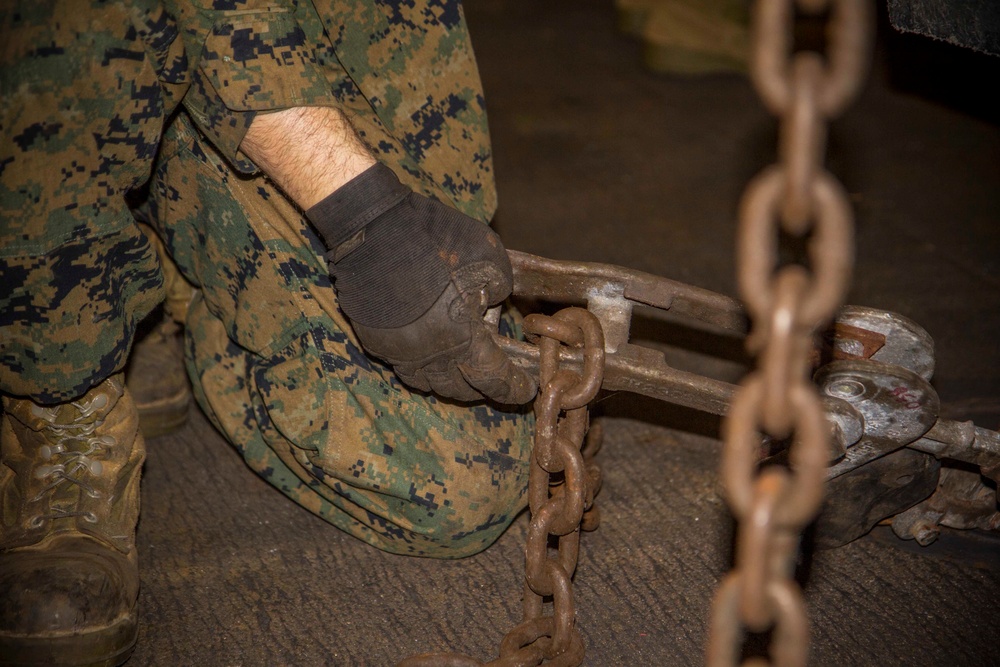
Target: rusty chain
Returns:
[[561, 488], [788, 304]]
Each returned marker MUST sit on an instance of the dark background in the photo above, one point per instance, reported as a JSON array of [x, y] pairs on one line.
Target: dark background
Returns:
[[598, 159]]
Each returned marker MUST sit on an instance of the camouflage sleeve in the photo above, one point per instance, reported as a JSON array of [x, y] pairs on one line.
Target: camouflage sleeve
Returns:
[[251, 56], [403, 72]]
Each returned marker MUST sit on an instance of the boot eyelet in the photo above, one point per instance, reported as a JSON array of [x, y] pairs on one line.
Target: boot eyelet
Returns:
[[36, 522], [100, 401], [90, 517], [47, 471], [43, 412]]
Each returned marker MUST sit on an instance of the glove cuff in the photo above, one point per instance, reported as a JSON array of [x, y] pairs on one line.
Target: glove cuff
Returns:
[[343, 214]]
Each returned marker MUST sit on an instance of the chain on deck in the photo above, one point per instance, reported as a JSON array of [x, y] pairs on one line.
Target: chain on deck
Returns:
[[874, 366]]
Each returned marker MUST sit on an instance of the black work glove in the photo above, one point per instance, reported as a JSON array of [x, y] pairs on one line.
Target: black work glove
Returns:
[[415, 278]]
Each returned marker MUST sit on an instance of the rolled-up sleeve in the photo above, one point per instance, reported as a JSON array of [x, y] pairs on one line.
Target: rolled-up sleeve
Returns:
[[252, 56]]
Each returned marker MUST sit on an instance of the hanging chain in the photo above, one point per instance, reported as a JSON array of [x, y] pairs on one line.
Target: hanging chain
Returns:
[[561, 488], [787, 305]]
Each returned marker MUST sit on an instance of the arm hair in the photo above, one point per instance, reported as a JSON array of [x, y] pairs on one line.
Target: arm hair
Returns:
[[308, 151]]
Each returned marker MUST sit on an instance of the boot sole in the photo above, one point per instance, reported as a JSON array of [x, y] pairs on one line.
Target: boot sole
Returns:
[[107, 647]]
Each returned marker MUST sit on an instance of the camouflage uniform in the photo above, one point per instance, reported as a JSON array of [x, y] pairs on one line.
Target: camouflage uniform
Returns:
[[111, 94]]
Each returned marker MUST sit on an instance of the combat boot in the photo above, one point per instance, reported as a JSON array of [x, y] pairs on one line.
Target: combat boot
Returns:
[[155, 373], [69, 502], [156, 377]]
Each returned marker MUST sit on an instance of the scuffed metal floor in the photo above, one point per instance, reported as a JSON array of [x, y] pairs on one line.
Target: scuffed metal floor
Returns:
[[233, 574], [598, 160]]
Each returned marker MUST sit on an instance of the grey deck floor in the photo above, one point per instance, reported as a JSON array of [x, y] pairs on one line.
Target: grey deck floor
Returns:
[[599, 160]]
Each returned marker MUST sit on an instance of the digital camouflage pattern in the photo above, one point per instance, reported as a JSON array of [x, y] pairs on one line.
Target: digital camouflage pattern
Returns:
[[80, 121], [280, 373], [403, 72], [272, 359]]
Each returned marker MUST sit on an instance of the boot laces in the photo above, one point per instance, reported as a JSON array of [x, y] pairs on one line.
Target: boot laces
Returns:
[[72, 456]]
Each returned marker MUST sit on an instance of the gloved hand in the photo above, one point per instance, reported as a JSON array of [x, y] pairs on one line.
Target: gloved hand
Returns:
[[415, 278]]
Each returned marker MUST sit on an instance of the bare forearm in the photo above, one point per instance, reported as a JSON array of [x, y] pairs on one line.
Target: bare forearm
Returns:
[[308, 151]]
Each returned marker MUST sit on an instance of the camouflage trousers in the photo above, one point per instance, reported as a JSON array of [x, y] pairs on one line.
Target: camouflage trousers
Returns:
[[94, 92], [277, 369]]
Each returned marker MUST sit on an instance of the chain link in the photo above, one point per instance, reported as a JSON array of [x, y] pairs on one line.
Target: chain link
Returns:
[[787, 305], [561, 488]]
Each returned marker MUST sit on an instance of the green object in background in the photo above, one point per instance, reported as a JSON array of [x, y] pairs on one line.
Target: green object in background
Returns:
[[688, 36]]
